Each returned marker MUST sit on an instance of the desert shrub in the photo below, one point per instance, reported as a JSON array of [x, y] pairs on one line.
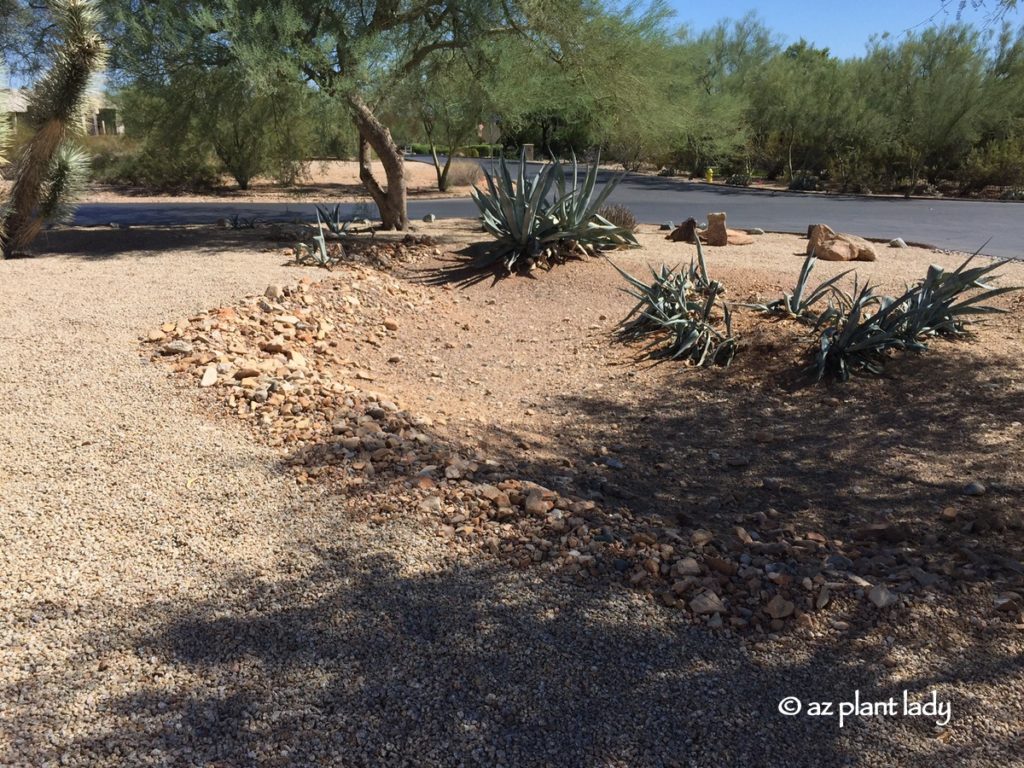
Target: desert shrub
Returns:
[[683, 313], [463, 173], [738, 180], [156, 169], [804, 182], [548, 218], [620, 216]]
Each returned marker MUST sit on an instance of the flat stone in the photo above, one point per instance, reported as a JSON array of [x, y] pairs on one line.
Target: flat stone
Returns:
[[209, 376], [779, 607], [179, 347], [975, 489], [707, 602], [882, 596]]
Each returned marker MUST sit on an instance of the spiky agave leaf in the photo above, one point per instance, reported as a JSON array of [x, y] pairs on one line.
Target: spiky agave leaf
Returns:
[[69, 174]]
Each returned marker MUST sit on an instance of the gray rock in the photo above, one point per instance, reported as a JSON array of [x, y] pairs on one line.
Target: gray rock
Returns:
[[668, 226], [755, 231], [974, 488], [882, 596], [430, 218], [898, 242], [707, 602], [274, 292]]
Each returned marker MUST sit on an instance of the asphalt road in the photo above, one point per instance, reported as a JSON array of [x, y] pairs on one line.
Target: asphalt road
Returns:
[[949, 224]]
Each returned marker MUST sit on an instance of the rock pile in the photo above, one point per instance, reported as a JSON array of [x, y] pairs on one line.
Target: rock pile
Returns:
[[279, 361]]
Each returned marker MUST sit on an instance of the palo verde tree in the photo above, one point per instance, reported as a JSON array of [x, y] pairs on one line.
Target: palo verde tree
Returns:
[[48, 169], [354, 51]]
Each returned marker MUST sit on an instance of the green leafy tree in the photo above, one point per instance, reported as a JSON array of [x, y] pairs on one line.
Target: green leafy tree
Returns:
[[48, 170]]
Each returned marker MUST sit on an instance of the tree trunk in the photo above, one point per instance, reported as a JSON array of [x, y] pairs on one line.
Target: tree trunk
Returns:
[[391, 200]]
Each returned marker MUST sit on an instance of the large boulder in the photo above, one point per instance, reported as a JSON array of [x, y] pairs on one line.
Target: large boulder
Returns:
[[829, 245], [718, 234], [685, 232]]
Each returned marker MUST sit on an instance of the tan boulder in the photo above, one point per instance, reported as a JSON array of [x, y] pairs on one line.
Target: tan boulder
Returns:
[[718, 234], [829, 245]]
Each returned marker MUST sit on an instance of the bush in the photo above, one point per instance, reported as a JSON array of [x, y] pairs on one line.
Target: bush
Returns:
[[804, 182], [620, 216], [463, 173], [739, 180], [154, 169]]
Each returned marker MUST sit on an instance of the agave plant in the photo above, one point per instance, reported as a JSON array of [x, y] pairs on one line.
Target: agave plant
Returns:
[[332, 217], [678, 311], [547, 218], [936, 307], [319, 254], [852, 339], [798, 304]]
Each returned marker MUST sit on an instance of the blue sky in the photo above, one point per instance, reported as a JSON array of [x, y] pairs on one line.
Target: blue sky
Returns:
[[843, 26]]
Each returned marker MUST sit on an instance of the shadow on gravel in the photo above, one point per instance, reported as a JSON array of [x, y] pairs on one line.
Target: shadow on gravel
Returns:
[[880, 460], [101, 243], [359, 662]]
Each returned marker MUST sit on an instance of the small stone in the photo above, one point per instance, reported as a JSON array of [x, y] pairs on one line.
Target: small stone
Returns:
[[707, 602], [668, 226], [431, 504], [700, 537], [156, 335], [179, 347], [614, 463], [394, 359], [535, 503], [274, 292], [897, 242], [882, 597], [430, 218], [755, 231], [824, 596], [779, 607], [688, 566], [391, 325], [949, 514], [974, 489], [209, 376]]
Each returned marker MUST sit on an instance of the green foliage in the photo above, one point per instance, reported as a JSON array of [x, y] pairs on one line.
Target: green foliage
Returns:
[[123, 162], [683, 315], [547, 218], [859, 333]]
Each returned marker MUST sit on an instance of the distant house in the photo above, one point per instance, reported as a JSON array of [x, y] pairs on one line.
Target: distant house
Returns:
[[99, 118]]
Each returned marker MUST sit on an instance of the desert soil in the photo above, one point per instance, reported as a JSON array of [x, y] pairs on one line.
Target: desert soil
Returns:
[[421, 519]]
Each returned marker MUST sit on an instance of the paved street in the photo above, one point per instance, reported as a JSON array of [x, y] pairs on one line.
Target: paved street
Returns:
[[962, 225]]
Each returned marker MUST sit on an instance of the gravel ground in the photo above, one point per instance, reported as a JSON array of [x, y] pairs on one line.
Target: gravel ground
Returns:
[[170, 596]]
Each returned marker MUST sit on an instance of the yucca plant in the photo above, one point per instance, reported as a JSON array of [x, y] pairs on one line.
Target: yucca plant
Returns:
[[48, 173], [678, 312], [548, 218], [798, 304]]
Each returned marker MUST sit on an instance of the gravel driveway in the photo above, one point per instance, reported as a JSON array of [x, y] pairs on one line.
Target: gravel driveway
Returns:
[[169, 596]]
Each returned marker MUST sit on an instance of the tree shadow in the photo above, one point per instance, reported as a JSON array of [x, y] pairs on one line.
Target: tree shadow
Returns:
[[360, 661], [102, 243]]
